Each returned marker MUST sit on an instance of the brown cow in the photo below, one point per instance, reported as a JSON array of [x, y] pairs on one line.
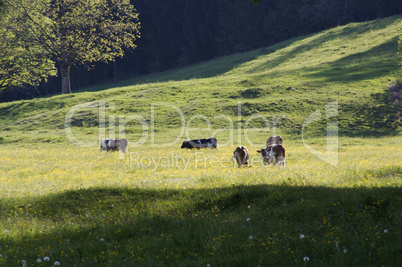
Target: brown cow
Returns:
[[275, 140], [273, 154], [114, 145], [241, 155]]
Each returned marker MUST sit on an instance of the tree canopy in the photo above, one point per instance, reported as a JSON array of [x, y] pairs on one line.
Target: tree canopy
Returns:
[[74, 32], [21, 64]]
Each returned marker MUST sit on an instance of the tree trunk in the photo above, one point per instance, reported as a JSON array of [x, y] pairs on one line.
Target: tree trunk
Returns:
[[65, 79]]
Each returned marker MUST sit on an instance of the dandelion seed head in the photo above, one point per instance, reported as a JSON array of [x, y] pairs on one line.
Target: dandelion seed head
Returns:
[[345, 250], [302, 236], [250, 237], [386, 231], [47, 258], [56, 263], [39, 260], [101, 240], [248, 219], [6, 231], [306, 258]]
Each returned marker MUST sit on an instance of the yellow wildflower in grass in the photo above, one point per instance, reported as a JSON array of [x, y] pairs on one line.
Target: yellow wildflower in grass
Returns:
[[64, 167]]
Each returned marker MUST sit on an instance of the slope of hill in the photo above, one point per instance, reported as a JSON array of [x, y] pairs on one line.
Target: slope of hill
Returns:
[[351, 66]]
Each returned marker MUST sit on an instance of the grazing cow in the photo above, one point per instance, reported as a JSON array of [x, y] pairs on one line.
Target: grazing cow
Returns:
[[114, 145], [241, 155], [200, 143], [273, 154], [275, 140]]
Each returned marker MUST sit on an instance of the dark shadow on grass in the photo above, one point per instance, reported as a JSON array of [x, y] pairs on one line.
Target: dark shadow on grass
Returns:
[[153, 224], [360, 66], [350, 31], [380, 118]]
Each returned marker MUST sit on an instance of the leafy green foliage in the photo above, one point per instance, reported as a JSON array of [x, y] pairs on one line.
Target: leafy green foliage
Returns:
[[21, 62], [76, 32]]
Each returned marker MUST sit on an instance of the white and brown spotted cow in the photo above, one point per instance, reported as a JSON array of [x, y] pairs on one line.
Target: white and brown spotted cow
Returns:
[[276, 139], [273, 154], [114, 145], [241, 155]]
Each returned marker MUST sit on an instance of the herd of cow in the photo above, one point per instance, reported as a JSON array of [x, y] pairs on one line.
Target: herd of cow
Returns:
[[273, 153]]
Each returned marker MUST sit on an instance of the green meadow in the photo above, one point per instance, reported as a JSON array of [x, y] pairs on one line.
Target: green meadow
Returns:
[[338, 201]]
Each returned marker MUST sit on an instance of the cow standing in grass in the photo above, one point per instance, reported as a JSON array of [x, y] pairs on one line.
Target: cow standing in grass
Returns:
[[114, 145], [200, 143], [276, 139], [273, 154], [241, 155]]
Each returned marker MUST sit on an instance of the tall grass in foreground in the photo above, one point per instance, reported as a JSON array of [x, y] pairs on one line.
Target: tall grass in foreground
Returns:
[[76, 207]]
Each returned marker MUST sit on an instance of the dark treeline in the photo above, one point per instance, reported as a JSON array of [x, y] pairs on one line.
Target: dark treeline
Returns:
[[176, 33]]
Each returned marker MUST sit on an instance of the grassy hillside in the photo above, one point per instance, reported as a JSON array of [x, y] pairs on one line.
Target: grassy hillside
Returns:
[[352, 64]]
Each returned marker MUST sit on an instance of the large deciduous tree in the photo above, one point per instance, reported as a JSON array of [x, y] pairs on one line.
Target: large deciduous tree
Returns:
[[73, 32]]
